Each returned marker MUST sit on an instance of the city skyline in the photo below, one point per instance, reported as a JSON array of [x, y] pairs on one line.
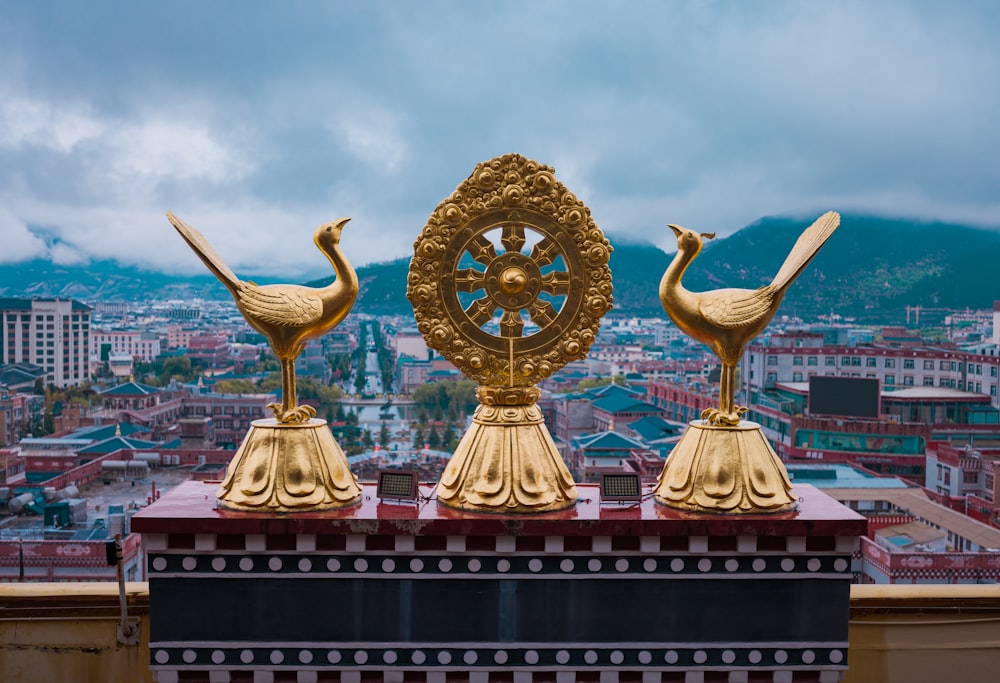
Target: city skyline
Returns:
[[257, 123]]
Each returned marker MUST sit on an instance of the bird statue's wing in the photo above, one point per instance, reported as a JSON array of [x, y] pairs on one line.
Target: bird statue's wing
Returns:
[[205, 252], [809, 242], [732, 308], [287, 306]]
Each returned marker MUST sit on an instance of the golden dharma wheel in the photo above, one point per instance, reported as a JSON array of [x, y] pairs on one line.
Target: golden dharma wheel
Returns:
[[510, 275]]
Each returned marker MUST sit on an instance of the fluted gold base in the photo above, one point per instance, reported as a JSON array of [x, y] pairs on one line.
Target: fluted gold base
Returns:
[[726, 469], [289, 467], [507, 462]]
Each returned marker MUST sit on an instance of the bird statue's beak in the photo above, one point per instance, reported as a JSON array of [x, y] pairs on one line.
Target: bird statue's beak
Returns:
[[675, 228]]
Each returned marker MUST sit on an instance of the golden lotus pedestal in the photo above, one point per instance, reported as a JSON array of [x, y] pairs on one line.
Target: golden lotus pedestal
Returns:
[[725, 469], [507, 461], [282, 467]]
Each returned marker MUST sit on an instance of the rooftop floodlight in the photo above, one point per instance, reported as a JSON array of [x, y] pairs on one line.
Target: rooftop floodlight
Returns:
[[397, 485], [621, 488]]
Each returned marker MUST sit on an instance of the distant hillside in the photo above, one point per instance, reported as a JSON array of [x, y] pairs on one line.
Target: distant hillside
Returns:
[[871, 269], [382, 288]]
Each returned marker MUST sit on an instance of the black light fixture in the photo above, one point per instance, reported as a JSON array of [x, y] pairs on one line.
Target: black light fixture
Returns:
[[621, 487], [397, 485]]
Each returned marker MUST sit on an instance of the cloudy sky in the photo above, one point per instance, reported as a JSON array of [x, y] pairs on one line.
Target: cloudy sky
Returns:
[[258, 121]]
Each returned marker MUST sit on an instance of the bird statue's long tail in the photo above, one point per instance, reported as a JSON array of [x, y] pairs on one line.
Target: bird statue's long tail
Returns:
[[206, 253], [809, 242]]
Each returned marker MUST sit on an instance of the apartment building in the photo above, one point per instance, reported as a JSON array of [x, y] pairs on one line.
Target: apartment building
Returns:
[[141, 346], [53, 334], [796, 357]]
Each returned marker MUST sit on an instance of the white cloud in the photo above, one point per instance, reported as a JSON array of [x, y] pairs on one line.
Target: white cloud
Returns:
[[372, 136], [17, 243], [32, 122], [706, 114], [161, 149]]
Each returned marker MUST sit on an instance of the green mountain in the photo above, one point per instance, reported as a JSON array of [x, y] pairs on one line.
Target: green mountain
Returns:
[[870, 269]]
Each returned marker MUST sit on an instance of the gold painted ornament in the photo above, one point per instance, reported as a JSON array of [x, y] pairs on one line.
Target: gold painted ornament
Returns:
[[290, 462], [724, 463], [509, 281]]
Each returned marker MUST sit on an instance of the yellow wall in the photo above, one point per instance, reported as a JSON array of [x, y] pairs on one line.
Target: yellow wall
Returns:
[[66, 632], [924, 633]]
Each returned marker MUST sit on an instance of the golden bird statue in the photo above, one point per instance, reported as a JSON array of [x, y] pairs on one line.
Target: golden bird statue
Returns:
[[726, 320], [288, 315]]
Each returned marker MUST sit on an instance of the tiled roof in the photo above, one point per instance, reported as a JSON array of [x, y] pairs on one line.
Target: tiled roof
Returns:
[[131, 389], [652, 427], [116, 443], [625, 404], [914, 501], [606, 441], [101, 432]]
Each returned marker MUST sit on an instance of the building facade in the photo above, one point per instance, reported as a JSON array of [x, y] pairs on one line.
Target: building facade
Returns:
[[140, 346], [53, 334]]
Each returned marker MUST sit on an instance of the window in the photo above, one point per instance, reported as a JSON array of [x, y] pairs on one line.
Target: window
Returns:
[[890, 379], [993, 371], [928, 381], [907, 363], [993, 390], [928, 365], [943, 365], [871, 362], [890, 362], [845, 360], [796, 360], [856, 362], [970, 477], [830, 360], [812, 360], [772, 360], [796, 376], [772, 377]]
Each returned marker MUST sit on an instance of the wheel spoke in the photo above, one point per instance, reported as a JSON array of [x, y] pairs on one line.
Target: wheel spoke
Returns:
[[513, 237], [469, 280], [511, 324], [481, 311], [556, 282], [541, 312], [482, 250], [544, 252]]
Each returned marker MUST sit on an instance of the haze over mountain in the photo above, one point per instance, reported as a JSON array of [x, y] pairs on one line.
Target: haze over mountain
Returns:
[[871, 269]]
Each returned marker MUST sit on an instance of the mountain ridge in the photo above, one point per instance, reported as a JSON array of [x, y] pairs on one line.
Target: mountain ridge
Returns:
[[871, 269]]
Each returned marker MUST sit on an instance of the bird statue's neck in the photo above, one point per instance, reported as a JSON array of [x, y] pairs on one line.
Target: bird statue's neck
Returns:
[[670, 286], [346, 277]]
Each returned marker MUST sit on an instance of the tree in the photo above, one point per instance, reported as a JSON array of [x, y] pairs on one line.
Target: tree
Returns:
[[366, 439], [180, 367], [384, 437], [419, 437], [600, 382], [235, 386], [434, 439], [448, 440]]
